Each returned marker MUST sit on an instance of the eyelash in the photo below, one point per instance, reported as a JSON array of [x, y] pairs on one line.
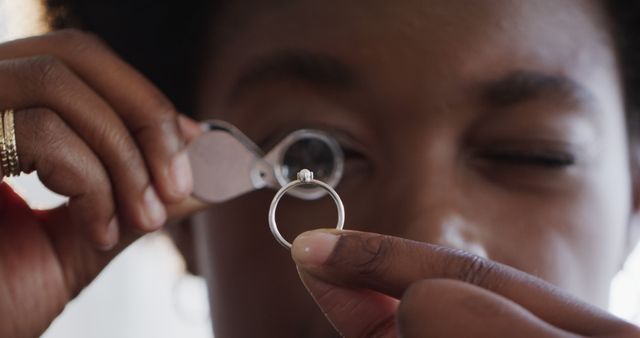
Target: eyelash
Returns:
[[350, 153], [535, 158]]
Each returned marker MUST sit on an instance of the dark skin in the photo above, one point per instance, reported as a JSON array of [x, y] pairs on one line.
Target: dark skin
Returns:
[[476, 127], [488, 184], [120, 166]]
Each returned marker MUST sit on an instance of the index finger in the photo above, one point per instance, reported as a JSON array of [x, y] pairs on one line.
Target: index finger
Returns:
[[147, 113], [390, 265]]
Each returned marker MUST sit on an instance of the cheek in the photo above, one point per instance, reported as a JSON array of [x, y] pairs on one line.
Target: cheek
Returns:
[[607, 212], [573, 240], [595, 241], [247, 270]]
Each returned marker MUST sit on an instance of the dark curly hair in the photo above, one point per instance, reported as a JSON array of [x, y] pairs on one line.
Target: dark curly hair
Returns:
[[152, 35], [155, 36], [625, 22]]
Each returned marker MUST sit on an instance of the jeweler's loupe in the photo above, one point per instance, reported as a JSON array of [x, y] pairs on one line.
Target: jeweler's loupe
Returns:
[[227, 164]]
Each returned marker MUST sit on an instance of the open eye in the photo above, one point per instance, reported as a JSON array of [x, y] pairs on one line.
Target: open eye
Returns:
[[308, 149], [317, 154], [328, 154]]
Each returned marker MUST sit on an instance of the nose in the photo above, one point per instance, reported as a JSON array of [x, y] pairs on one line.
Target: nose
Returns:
[[425, 200]]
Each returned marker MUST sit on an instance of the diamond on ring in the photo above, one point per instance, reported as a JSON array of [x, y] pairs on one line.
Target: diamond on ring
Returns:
[[305, 176]]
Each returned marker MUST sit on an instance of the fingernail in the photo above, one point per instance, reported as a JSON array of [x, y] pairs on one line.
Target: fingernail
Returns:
[[155, 211], [180, 172], [313, 248], [113, 232]]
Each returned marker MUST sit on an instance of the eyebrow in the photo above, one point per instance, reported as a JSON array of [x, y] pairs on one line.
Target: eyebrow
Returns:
[[323, 70], [522, 86], [313, 68]]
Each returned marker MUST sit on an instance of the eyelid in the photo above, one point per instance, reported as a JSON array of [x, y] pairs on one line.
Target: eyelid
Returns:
[[533, 145], [346, 141], [541, 158], [552, 152]]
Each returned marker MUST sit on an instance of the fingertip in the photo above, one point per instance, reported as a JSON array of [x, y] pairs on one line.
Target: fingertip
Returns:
[[101, 232], [154, 213], [111, 235], [313, 248], [181, 177]]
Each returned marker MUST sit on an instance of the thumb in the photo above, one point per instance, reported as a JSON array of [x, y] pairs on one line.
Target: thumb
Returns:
[[354, 312]]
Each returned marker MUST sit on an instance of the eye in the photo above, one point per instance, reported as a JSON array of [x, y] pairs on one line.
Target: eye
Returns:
[[321, 155], [531, 157], [329, 153], [315, 154], [351, 153], [350, 148]]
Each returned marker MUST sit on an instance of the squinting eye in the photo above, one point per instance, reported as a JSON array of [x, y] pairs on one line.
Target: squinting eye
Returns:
[[538, 158]]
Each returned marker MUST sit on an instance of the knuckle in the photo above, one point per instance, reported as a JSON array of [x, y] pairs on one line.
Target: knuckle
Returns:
[[126, 149], [126, 156], [45, 71], [91, 208], [162, 107], [63, 161], [165, 118], [45, 123], [474, 269], [28, 125], [46, 131], [49, 141], [96, 188], [385, 327], [371, 256], [162, 124], [164, 115]]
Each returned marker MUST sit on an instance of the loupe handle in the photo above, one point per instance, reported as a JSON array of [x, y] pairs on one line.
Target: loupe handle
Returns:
[[226, 164]]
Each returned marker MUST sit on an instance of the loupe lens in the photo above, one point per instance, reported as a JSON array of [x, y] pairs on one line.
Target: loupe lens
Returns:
[[309, 153], [313, 150]]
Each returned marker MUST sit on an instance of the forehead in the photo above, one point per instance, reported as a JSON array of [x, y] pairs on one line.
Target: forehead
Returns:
[[408, 26], [423, 45]]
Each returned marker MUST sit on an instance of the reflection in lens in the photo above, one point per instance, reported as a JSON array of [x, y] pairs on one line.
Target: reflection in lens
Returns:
[[309, 153]]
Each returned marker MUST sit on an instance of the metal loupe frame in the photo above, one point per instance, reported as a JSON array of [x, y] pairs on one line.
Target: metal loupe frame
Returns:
[[281, 149]]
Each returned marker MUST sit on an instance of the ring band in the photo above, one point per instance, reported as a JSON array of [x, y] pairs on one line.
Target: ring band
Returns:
[[4, 157], [8, 147], [305, 177]]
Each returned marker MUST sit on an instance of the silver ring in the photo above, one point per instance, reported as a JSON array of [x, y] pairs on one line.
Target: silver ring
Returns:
[[305, 176]]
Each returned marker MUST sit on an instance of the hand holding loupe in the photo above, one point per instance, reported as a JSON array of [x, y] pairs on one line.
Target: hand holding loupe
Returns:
[[227, 164]]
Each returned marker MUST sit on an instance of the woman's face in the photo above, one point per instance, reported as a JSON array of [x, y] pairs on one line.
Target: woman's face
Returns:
[[495, 127]]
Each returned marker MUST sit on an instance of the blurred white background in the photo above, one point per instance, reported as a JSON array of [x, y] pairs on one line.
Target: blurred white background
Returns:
[[145, 292]]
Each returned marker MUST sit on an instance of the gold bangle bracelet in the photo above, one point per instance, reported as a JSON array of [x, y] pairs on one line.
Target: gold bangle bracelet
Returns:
[[12, 163], [4, 159]]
